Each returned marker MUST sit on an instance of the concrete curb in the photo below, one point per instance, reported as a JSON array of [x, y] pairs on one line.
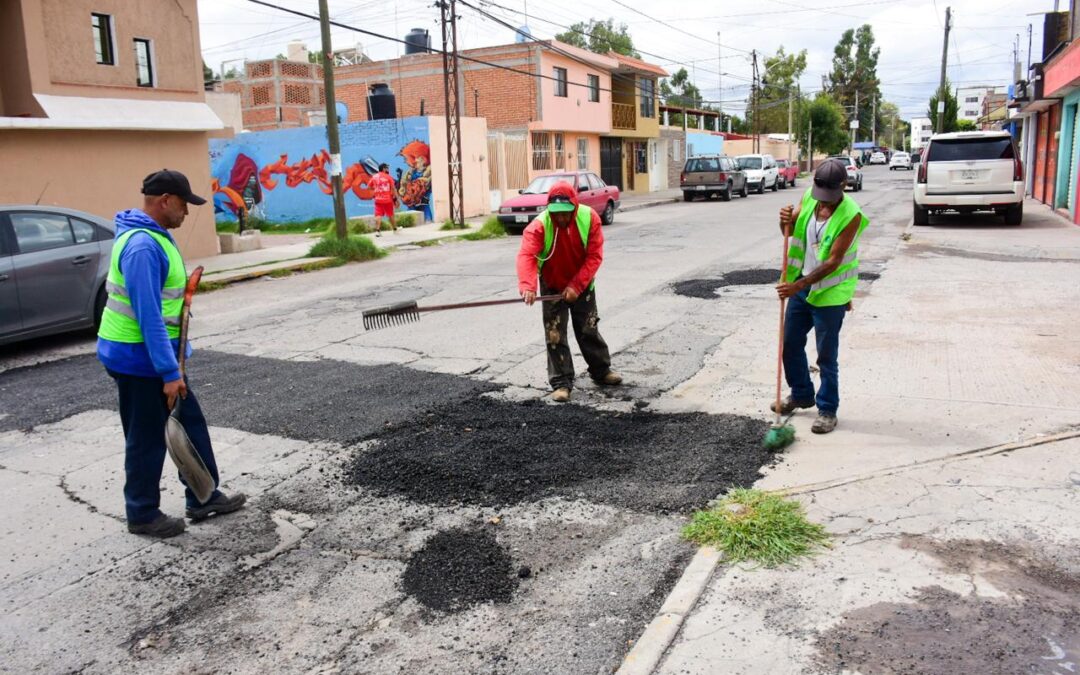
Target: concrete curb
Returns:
[[647, 205], [232, 276], [650, 648]]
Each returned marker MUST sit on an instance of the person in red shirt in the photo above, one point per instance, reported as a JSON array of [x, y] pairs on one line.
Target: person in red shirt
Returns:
[[564, 246], [385, 198]]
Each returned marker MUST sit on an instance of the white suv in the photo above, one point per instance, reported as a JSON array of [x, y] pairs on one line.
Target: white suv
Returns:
[[970, 171], [761, 172]]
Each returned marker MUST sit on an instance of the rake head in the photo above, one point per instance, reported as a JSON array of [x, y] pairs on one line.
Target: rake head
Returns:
[[391, 315]]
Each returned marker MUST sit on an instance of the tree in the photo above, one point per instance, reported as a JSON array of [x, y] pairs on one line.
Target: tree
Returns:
[[600, 37], [966, 125], [829, 125], [952, 108], [893, 129], [678, 90], [782, 73], [207, 72], [854, 74]]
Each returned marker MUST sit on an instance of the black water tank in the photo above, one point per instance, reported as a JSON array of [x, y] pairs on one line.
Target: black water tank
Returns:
[[381, 103], [418, 41]]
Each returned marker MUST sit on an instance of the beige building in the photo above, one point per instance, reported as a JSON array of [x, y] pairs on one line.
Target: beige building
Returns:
[[95, 95]]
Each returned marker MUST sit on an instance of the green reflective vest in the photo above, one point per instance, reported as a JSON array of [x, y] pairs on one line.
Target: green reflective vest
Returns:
[[118, 322], [584, 225], [839, 287]]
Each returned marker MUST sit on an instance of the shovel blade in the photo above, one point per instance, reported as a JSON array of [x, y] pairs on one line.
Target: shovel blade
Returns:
[[187, 460]]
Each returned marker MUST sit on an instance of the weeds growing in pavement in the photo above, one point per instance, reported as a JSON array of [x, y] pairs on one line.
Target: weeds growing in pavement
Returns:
[[289, 227], [492, 229], [451, 225], [352, 248], [752, 525]]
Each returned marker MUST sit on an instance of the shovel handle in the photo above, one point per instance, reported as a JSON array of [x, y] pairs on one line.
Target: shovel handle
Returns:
[[185, 313]]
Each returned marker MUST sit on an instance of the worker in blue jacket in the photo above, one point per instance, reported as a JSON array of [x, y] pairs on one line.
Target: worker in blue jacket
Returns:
[[138, 343]]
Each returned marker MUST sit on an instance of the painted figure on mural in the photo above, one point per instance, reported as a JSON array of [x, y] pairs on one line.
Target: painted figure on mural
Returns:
[[414, 187]]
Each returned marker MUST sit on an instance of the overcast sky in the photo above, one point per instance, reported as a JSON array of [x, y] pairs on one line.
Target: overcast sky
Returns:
[[680, 34]]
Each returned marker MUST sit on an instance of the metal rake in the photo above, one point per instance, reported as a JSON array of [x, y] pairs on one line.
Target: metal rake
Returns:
[[401, 313]]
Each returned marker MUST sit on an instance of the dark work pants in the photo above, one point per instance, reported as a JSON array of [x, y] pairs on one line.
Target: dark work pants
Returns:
[[800, 317], [585, 318], [143, 412]]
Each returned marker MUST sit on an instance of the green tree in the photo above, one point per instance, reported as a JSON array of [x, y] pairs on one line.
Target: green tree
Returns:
[[678, 90], [207, 72], [952, 108], [600, 37], [781, 76], [966, 125], [826, 117], [854, 74], [893, 129]]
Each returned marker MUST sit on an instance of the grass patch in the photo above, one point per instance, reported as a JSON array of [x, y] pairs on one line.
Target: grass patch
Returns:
[[751, 525], [290, 227], [210, 286], [451, 225], [308, 267], [353, 248], [430, 242], [491, 229]]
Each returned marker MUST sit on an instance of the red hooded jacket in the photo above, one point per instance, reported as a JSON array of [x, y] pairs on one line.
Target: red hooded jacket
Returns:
[[571, 264]]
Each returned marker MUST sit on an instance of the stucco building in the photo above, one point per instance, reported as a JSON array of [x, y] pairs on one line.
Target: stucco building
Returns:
[[95, 95]]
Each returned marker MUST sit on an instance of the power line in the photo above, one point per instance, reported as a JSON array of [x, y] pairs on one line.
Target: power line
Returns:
[[688, 34]]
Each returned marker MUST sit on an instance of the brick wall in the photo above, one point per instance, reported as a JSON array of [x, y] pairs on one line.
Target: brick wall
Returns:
[[277, 94], [676, 154]]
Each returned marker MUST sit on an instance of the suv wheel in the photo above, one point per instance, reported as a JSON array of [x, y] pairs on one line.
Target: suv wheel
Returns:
[[761, 187], [687, 196], [775, 184], [1014, 214], [744, 193], [726, 194], [922, 216]]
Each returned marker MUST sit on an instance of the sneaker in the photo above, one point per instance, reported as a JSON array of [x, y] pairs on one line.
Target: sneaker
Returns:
[[790, 405], [219, 505], [824, 424], [561, 395], [378, 233], [163, 527], [610, 379]]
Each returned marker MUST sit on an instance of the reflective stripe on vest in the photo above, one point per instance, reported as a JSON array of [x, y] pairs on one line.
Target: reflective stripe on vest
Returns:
[[118, 321], [584, 226], [839, 287]]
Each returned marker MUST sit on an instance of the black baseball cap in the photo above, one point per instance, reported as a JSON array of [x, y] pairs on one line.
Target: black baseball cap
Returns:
[[829, 181], [169, 182]]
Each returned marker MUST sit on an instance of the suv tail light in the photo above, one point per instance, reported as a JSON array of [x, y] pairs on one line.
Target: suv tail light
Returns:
[[1018, 169], [682, 178], [922, 170], [723, 177]]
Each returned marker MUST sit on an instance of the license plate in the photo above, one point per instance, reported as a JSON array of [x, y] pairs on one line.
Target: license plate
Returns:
[[701, 187], [521, 219], [969, 175]]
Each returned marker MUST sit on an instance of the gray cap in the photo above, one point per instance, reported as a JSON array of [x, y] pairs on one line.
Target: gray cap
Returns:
[[829, 180]]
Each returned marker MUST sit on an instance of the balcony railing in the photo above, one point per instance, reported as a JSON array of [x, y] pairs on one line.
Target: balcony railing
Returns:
[[623, 116]]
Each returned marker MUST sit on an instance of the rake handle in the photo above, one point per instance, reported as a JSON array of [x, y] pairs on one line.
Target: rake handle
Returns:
[[780, 332], [484, 303]]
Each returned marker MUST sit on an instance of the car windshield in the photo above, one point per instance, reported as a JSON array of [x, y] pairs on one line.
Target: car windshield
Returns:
[[844, 160], [542, 184], [749, 162], [703, 164], [961, 149]]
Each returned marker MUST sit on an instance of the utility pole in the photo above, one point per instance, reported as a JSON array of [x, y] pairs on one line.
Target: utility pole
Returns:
[[754, 104], [340, 219], [790, 112], [810, 143], [944, 61], [451, 93], [719, 83], [873, 122], [855, 127]]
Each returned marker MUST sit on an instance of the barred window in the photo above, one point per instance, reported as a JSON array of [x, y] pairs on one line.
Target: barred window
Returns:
[[560, 82], [541, 151]]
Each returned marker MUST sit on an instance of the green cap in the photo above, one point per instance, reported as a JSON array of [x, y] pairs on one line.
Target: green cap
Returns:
[[560, 204]]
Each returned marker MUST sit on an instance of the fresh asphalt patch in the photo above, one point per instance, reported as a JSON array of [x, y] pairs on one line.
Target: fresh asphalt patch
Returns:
[[706, 289], [459, 568]]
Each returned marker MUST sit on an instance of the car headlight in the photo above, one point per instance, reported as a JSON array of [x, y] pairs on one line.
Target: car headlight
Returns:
[[506, 209]]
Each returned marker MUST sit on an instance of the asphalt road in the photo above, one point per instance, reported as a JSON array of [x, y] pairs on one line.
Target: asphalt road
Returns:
[[376, 459]]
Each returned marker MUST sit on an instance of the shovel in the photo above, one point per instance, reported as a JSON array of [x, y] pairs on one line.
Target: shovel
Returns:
[[181, 449]]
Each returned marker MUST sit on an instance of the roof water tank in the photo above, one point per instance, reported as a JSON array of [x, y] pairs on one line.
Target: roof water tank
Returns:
[[523, 34], [382, 105], [418, 41]]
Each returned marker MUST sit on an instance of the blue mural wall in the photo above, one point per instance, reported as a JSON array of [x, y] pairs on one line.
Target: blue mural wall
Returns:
[[284, 175], [698, 143]]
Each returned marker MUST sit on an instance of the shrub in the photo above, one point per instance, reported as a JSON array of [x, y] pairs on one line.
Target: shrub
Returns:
[[352, 248], [491, 229], [451, 225]]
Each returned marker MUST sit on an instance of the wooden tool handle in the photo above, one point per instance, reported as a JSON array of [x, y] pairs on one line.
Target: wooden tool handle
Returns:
[[185, 313], [484, 303], [780, 332]]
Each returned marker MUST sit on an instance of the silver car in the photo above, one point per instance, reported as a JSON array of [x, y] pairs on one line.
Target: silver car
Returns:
[[53, 264]]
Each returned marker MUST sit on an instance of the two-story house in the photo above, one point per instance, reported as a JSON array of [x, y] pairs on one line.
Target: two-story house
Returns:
[[630, 155], [95, 95]]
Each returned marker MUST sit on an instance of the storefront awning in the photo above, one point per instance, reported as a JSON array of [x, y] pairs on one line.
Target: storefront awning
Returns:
[[118, 114]]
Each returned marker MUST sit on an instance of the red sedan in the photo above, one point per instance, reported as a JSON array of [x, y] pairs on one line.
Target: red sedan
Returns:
[[516, 213]]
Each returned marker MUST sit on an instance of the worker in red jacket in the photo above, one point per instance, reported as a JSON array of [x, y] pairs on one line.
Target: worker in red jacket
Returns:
[[564, 246]]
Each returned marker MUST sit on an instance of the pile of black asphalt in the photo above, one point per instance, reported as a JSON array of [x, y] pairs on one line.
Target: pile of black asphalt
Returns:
[[706, 288], [459, 568]]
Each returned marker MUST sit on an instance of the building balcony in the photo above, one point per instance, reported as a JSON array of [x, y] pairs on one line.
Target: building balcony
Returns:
[[623, 116]]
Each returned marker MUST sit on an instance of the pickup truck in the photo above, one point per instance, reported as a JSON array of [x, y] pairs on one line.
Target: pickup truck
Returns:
[[788, 173]]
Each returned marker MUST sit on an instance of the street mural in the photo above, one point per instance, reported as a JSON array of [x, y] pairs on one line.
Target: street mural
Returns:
[[284, 175]]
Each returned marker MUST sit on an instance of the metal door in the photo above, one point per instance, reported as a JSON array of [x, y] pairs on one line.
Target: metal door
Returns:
[[1052, 152], [611, 161], [1041, 142], [10, 321]]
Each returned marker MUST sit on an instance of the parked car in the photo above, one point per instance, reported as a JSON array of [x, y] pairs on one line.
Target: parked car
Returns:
[[53, 264], [712, 175], [900, 160], [760, 171], [854, 173], [788, 171], [970, 171], [878, 158], [517, 212]]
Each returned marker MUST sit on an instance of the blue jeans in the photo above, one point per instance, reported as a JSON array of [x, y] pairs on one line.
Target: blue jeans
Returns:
[[143, 412], [801, 316]]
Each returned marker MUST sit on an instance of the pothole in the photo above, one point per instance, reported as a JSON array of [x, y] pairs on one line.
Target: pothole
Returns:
[[491, 452], [869, 276], [706, 288], [458, 569]]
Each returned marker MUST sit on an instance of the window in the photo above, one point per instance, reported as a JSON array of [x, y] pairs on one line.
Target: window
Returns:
[[971, 113], [703, 164], [594, 88], [967, 149], [560, 82], [144, 66], [641, 158], [560, 154], [101, 24], [595, 183], [541, 151], [582, 153], [41, 231], [648, 97], [84, 231], [676, 151], [971, 99], [583, 183]]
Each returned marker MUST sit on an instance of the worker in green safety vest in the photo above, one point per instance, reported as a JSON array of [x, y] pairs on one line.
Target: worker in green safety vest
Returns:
[[564, 247], [138, 344], [819, 283]]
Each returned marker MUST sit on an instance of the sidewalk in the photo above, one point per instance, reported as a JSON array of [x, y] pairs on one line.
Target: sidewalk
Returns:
[[951, 486]]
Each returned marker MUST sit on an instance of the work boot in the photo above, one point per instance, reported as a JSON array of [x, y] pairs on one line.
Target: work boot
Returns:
[[824, 423], [219, 505], [378, 233], [790, 405], [162, 527], [610, 379], [561, 395]]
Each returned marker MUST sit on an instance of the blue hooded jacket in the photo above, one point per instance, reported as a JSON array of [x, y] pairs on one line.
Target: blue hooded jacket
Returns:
[[144, 266]]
